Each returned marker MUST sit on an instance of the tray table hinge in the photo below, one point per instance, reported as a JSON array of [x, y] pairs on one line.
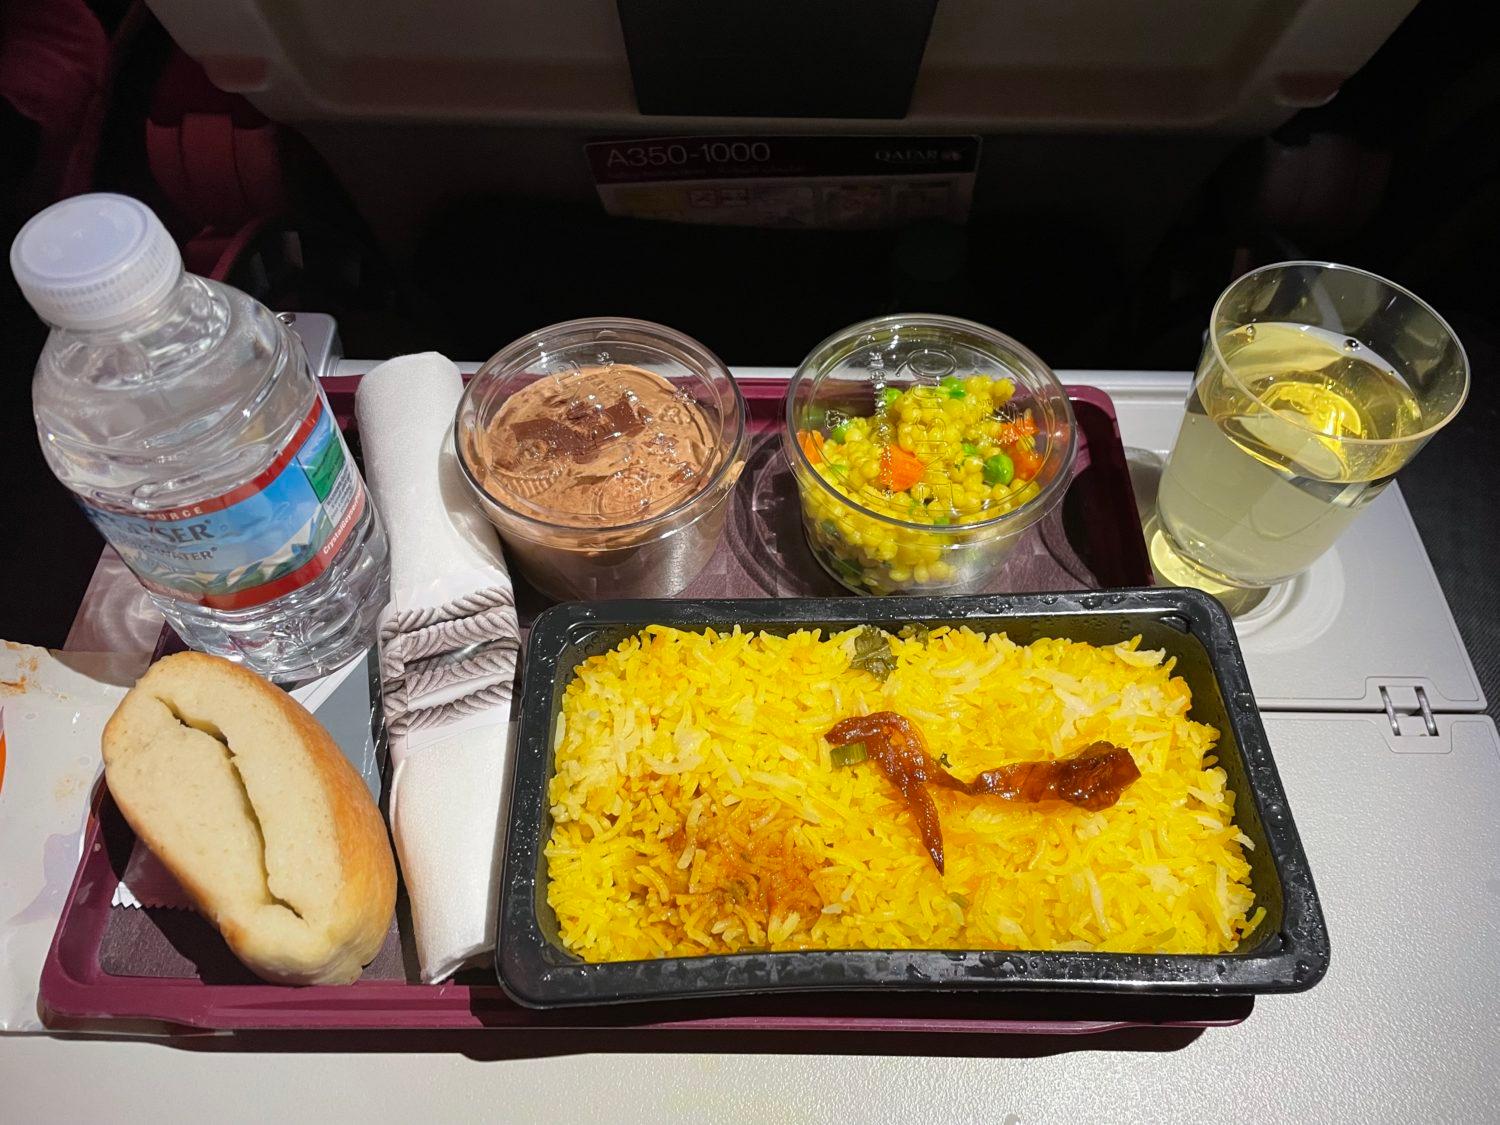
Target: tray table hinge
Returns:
[[1409, 719]]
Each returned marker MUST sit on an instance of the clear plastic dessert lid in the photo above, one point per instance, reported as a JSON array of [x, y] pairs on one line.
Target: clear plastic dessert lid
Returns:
[[602, 423], [917, 418]]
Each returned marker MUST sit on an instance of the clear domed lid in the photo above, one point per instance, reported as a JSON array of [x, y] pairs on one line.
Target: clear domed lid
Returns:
[[928, 420]]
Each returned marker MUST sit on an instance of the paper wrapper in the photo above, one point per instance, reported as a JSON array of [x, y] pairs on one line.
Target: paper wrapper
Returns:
[[53, 707]]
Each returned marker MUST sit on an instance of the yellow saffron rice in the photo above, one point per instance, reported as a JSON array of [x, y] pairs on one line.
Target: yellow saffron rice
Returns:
[[696, 810]]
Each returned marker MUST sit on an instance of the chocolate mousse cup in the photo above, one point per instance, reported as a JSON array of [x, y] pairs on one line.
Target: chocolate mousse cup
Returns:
[[604, 451]]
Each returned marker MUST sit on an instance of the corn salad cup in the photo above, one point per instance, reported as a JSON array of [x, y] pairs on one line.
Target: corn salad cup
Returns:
[[923, 448]]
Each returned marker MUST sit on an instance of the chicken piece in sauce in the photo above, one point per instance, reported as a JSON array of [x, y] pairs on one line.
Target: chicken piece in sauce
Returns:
[[1093, 779]]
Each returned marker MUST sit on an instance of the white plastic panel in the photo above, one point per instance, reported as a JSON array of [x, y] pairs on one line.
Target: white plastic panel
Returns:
[[1402, 848], [1231, 65], [1369, 613]]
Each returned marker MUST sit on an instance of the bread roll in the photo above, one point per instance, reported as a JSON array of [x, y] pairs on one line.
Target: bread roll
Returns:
[[249, 803]]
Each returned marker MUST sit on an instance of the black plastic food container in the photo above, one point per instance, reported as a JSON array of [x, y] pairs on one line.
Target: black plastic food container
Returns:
[[1288, 951]]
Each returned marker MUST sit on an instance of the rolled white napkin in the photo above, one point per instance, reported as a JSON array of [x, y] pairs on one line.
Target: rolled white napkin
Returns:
[[449, 643]]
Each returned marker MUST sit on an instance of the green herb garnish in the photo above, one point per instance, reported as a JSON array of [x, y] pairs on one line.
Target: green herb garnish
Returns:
[[842, 756], [851, 570], [872, 653]]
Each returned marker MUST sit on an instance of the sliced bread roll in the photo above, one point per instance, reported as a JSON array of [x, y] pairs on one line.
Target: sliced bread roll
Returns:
[[249, 803]]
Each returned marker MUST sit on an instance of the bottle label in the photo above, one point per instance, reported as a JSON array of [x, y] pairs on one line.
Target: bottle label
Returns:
[[258, 542]]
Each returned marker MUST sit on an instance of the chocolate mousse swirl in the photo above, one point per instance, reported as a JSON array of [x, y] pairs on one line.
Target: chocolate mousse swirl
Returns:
[[600, 448]]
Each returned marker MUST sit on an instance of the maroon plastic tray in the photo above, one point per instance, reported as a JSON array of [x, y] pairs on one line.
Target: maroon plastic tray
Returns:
[[108, 963]]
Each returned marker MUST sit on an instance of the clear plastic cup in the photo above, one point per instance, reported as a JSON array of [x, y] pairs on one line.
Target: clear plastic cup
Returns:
[[924, 447], [603, 450], [1318, 383]]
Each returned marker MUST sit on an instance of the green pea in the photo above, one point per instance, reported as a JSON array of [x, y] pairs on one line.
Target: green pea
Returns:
[[954, 386], [889, 396], [999, 469], [840, 432], [970, 449]]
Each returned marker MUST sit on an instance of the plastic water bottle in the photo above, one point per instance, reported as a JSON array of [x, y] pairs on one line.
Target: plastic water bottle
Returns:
[[184, 418]]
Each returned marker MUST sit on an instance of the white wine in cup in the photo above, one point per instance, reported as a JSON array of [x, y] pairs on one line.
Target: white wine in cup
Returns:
[[1317, 383]]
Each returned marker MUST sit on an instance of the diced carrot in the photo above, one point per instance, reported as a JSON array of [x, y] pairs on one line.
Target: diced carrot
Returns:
[[812, 444], [899, 470], [1012, 432], [1027, 461]]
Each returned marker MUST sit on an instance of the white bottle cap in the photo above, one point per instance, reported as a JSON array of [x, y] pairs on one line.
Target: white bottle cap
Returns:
[[94, 261]]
